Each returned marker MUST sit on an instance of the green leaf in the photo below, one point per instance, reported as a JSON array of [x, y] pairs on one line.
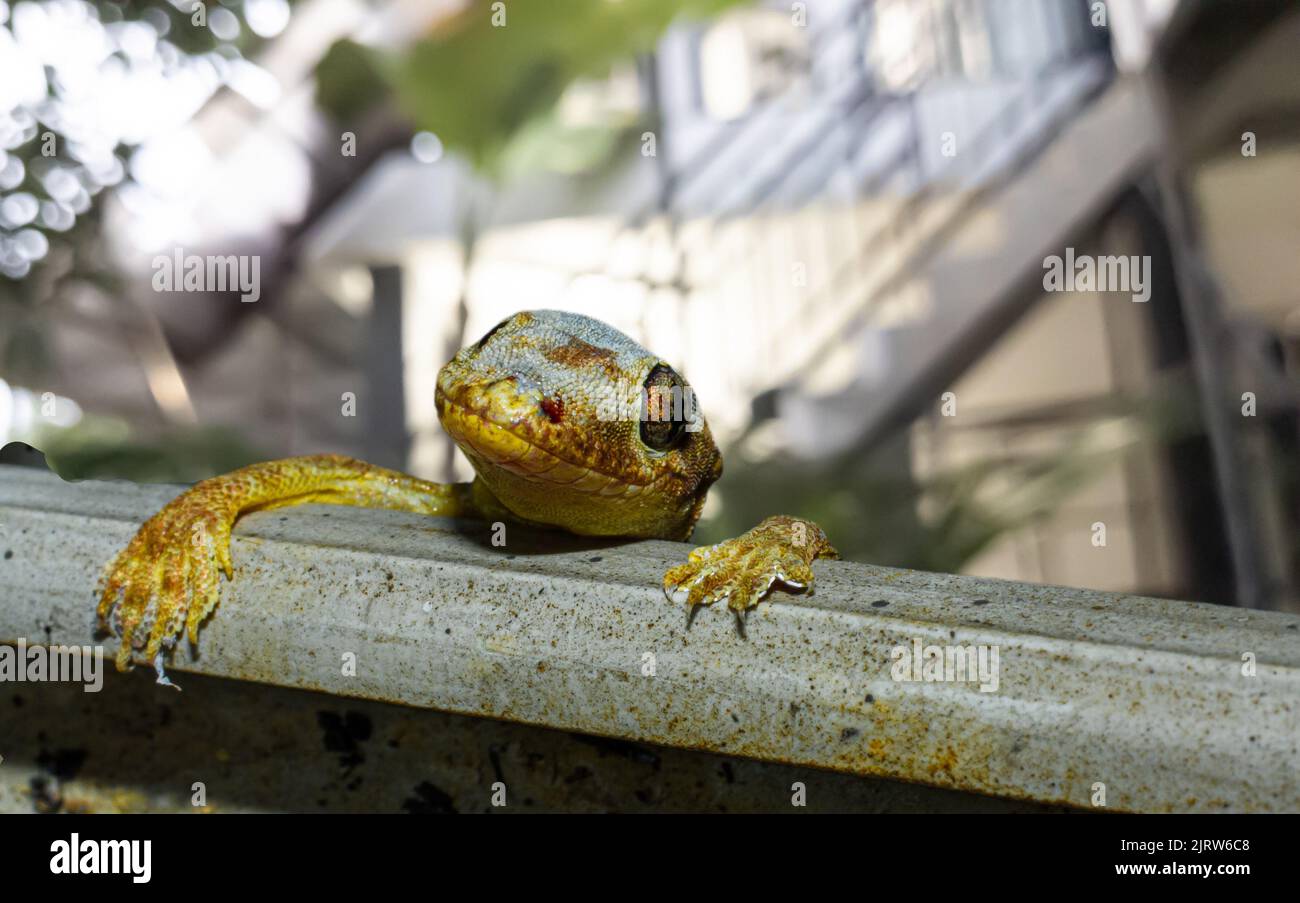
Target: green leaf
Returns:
[[479, 85]]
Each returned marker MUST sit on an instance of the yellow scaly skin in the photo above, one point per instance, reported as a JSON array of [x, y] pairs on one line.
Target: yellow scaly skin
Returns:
[[550, 409]]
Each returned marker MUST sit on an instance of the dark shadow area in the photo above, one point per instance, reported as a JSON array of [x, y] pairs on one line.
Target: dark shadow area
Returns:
[[136, 746]]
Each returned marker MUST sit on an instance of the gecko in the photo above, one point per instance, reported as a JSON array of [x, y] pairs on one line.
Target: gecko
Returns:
[[569, 425]]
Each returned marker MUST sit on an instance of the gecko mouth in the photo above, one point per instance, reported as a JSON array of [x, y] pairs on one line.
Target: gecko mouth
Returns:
[[489, 442]]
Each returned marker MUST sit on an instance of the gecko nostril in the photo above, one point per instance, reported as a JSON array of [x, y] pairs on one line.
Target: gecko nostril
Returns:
[[553, 408]]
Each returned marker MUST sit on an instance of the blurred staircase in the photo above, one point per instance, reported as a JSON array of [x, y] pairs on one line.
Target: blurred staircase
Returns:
[[863, 242]]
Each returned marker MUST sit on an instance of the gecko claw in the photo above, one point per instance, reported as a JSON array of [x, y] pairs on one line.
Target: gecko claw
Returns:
[[163, 680], [690, 615]]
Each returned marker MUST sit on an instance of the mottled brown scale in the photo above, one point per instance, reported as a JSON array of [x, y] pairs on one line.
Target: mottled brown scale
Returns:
[[577, 354], [547, 407]]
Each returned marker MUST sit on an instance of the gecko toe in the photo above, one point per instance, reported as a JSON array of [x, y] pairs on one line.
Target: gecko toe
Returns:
[[744, 571]]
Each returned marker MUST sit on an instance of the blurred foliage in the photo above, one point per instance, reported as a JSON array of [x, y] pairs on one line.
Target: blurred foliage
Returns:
[[940, 523], [59, 157], [548, 144], [59, 153], [102, 449], [872, 516], [479, 85]]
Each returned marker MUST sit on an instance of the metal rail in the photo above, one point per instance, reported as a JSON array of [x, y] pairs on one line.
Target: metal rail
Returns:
[[1144, 701]]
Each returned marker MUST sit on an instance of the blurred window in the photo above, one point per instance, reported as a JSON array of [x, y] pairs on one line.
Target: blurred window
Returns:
[[904, 47], [751, 57]]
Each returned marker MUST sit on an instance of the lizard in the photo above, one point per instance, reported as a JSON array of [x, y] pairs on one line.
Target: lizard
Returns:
[[569, 425]]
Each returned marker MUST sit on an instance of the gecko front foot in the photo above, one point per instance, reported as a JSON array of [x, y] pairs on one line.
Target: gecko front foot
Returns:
[[744, 570], [166, 578]]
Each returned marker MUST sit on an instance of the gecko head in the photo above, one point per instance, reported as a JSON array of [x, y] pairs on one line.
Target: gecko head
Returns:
[[570, 423]]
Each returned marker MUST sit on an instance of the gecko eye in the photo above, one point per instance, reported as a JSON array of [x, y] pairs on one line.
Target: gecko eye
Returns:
[[664, 413]]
